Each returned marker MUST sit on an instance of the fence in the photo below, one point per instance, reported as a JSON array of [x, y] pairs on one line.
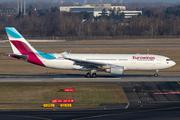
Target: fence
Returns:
[[99, 37], [95, 37]]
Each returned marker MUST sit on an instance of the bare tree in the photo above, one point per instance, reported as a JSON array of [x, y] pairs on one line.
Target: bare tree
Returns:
[[114, 27]]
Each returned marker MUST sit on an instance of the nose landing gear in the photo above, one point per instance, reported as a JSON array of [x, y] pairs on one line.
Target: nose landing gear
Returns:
[[156, 74]]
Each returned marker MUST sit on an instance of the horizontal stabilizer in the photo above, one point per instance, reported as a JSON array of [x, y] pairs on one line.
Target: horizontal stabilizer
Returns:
[[22, 57]]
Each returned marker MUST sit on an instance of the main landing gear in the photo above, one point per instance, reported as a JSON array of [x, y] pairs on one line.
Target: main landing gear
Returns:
[[156, 74], [91, 74]]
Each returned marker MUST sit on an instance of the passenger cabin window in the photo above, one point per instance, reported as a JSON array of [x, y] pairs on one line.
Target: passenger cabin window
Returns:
[[168, 59]]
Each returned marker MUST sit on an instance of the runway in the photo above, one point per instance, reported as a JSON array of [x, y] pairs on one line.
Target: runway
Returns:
[[97, 45], [82, 78]]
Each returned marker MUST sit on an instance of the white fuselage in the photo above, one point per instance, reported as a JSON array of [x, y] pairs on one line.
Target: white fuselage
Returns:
[[128, 61]]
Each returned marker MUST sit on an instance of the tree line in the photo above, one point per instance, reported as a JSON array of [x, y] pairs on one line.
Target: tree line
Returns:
[[52, 22]]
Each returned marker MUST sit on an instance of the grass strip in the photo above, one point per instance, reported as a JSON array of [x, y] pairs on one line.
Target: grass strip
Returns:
[[45, 92]]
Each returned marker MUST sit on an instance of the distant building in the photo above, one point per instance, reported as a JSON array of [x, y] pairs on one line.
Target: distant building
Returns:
[[121, 8], [8, 11], [90, 9], [96, 9], [129, 14], [99, 5]]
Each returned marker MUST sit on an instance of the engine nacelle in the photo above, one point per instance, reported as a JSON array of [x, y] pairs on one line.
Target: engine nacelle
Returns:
[[117, 70]]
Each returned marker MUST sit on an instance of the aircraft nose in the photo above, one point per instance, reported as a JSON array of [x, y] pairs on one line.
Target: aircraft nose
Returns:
[[173, 63]]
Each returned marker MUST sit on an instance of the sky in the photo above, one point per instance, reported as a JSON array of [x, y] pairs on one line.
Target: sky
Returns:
[[107, 1]]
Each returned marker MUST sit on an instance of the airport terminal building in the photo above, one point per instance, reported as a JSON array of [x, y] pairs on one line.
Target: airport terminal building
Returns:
[[129, 14], [95, 11]]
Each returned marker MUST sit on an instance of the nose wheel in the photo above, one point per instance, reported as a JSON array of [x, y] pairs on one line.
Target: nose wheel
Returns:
[[156, 74]]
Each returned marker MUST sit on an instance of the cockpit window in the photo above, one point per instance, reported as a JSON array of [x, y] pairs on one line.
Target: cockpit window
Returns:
[[168, 59]]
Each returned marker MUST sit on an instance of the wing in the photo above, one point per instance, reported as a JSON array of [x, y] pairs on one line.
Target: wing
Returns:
[[87, 63]]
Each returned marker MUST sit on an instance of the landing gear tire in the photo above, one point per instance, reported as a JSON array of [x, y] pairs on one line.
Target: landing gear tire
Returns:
[[88, 75], [94, 75], [155, 74]]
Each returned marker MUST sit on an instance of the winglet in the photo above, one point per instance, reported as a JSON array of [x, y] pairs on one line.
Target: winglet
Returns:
[[64, 56], [66, 52]]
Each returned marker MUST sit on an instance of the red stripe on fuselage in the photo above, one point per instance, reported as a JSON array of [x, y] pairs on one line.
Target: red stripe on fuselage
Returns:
[[24, 49]]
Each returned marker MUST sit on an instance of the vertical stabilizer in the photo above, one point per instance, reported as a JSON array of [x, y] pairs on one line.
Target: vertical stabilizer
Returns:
[[18, 43], [21, 47]]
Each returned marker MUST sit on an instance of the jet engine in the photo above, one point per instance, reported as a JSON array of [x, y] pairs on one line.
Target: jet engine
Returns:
[[117, 70]]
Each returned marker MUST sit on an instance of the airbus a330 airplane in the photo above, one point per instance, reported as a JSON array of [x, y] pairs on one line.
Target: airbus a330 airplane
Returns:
[[111, 63]]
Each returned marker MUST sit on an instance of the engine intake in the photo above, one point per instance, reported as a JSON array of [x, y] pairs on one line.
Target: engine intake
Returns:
[[117, 70]]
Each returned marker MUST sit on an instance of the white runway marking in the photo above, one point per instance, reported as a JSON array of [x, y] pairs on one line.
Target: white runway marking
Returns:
[[87, 79]]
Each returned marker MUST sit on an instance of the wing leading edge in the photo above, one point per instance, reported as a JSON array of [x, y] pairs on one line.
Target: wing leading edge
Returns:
[[87, 63]]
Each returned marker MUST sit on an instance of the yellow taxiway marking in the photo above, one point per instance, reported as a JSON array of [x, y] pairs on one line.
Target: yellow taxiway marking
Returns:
[[178, 82], [166, 101], [164, 109], [95, 116]]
